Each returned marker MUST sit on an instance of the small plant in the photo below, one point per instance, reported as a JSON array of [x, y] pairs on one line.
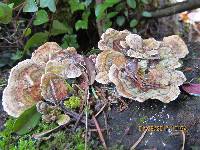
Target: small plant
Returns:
[[73, 102]]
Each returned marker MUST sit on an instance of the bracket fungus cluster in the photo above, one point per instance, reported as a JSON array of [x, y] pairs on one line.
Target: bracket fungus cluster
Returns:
[[140, 69], [41, 77]]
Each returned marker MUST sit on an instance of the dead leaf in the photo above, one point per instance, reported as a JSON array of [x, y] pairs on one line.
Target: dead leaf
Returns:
[[192, 89], [90, 66]]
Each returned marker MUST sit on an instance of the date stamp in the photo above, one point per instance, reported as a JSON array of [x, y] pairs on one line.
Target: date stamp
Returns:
[[156, 128]]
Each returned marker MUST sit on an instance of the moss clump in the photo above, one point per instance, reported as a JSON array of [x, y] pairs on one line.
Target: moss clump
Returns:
[[73, 102], [10, 142], [62, 140], [59, 140]]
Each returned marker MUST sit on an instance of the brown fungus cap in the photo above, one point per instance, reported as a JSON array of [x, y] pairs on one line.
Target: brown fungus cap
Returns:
[[66, 63], [177, 45], [53, 87], [45, 52], [23, 89], [104, 61], [30, 80], [111, 39]]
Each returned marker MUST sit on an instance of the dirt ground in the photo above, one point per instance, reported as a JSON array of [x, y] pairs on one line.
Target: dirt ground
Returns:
[[185, 111]]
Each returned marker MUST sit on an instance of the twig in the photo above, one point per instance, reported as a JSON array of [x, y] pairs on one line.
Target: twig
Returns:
[[21, 7], [15, 8], [95, 130], [74, 115], [9, 46], [106, 124], [102, 108], [183, 146], [175, 8], [125, 133], [86, 115], [138, 141], [2, 38], [45, 133], [77, 121], [29, 24], [99, 132]]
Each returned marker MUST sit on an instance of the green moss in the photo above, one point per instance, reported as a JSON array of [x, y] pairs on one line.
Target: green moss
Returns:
[[73, 102], [5, 135], [2, 81], [25, 144], [43, 126], [142, 119], [59, 140], [10, 142], [62, 140], [198, 80]]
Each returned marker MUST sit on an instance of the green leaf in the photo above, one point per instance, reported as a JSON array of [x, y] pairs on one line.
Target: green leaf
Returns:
[[63, 119], [36, 40], [11, 5], [27, 121], [146, 14], [18, 55], [30, 6], [126, 13], [5, 59], [85, 15], [41, 17], [99, 11], [60, 28], [145, 1], [81, 24], [101, 8], [76, 5], [107, 25], [87, 2], [131, 3], [119, 7], [48, 3], [111, 15], [5, 13], [27, 32], [120, 20], [16, 2], [70, 41], [134, 30], [133, 23]]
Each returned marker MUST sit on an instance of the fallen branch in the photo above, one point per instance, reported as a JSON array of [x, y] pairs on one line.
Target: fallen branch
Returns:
[[86, 95], [106, 124], [138, 141], [99, 132], [183, 146], [175, 8]]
